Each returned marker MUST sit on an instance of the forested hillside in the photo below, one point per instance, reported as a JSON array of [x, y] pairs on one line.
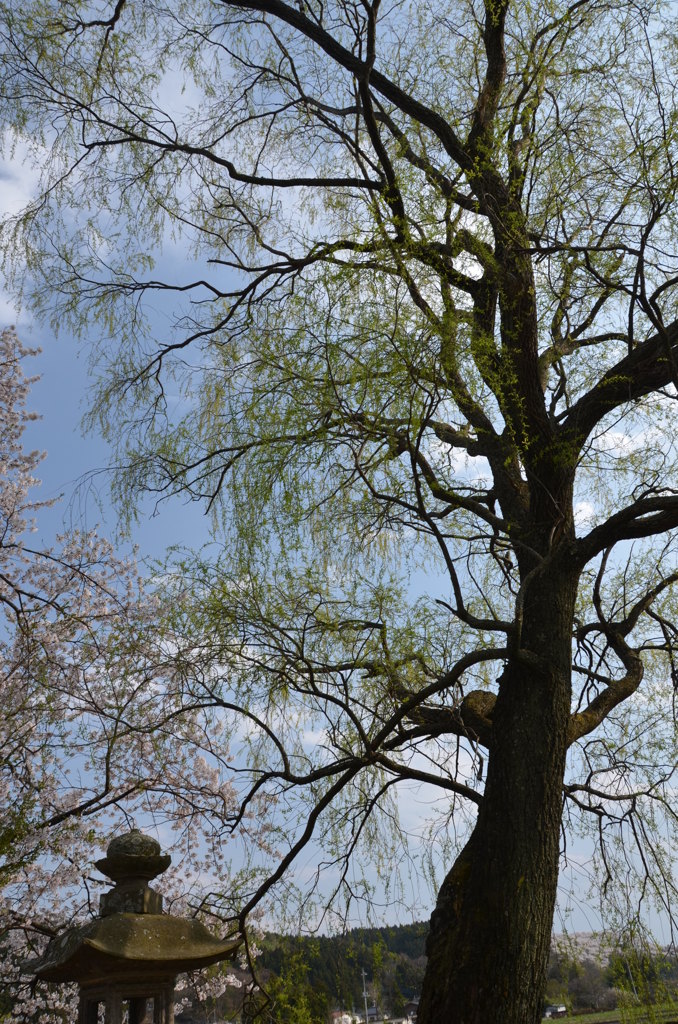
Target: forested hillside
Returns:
[[302, 979], [328, 970]]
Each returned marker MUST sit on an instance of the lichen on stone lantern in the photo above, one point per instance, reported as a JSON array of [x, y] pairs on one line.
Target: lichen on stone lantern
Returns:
[[127, 959]]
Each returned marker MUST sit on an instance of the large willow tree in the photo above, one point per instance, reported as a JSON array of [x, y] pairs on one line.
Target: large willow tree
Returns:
[[392, 289]]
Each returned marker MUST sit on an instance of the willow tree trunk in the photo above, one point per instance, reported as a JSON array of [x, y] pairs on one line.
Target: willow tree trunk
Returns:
[[490, 934]]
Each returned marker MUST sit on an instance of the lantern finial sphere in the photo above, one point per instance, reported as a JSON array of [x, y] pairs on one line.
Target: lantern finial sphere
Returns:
[[133, 859], [133, 843]]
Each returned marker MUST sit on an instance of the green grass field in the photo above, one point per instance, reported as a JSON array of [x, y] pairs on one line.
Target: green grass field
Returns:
[[628, 1015]]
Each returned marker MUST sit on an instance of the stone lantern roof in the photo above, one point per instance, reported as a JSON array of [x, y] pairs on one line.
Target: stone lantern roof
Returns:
[[132, 937]]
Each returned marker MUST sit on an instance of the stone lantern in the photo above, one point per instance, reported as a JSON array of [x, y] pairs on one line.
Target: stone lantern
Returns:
[[127, 959]]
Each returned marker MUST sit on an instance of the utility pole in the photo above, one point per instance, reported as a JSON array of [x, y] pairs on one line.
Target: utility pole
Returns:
[[365, 996]]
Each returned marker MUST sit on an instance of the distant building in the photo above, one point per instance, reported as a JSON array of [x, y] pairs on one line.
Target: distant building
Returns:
[[556, 1010], [341, 1017]]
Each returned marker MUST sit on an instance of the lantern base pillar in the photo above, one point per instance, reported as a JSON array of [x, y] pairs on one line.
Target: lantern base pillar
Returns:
[[127, 1004]]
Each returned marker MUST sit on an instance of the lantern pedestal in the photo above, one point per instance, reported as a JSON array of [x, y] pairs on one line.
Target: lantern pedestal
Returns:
[[143, 1006]]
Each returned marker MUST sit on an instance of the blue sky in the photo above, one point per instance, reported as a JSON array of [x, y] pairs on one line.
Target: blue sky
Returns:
[[75, 467]]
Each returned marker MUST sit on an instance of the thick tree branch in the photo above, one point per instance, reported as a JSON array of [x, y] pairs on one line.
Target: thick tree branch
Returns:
[[646, 517], [344, 58], [584, 722], [647, 368], [488, 99]]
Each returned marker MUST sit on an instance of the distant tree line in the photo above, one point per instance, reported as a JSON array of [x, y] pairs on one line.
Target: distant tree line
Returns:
[[305, 978], [623, 976]]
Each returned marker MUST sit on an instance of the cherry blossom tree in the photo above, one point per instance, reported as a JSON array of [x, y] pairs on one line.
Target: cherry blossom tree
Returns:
[[88, 686]]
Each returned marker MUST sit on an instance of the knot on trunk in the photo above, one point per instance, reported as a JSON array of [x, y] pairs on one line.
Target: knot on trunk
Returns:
[[475, 715]]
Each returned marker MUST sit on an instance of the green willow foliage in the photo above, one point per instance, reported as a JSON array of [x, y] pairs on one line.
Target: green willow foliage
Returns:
[[392, 291]]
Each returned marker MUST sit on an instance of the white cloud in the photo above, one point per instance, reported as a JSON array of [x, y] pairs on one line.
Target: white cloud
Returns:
[[19, 176], [584, 514]]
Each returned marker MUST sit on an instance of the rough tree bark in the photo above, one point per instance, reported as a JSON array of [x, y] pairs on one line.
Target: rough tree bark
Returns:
[[489, 942], [491, 930]]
